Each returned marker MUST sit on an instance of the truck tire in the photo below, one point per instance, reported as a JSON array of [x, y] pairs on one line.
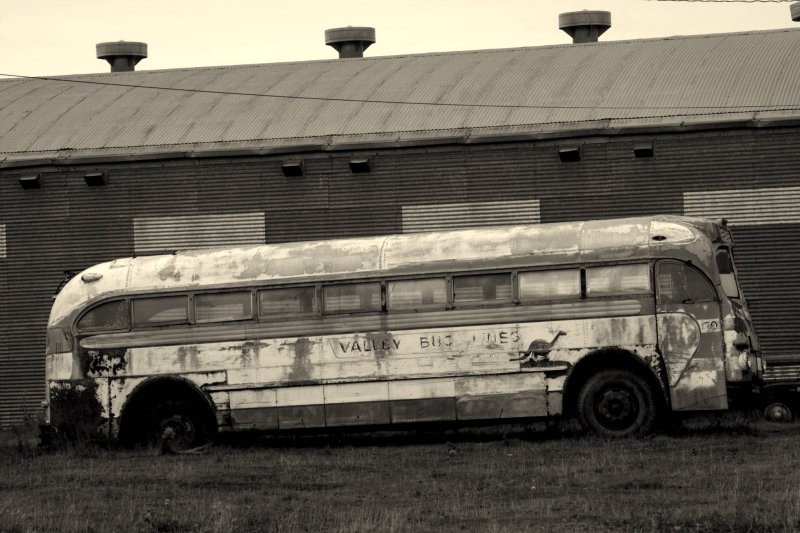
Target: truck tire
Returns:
[[617, 403]]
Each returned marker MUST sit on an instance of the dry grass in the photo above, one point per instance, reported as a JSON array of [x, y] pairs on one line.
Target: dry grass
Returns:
[[739, 477]]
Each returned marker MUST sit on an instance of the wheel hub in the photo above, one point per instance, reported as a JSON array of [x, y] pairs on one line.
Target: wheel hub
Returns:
[[617, 408], [778, 412], [177, 429]]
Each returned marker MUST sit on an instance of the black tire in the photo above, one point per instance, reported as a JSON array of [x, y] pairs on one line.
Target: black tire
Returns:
[[617, 403], [176, 426]]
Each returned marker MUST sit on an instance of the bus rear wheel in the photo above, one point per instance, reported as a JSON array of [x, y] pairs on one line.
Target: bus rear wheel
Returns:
[[617, 403], [175, 426]]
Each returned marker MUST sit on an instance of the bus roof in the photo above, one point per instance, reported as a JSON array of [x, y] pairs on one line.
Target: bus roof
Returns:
[[485, 248]]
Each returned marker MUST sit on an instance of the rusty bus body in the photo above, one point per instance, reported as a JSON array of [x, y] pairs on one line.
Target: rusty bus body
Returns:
[[617, 321]]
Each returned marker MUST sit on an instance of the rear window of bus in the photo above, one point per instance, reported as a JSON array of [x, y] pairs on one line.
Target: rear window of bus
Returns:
[[107, 316]]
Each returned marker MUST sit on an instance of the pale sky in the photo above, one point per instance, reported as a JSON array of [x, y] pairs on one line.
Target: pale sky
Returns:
[[52, 37]]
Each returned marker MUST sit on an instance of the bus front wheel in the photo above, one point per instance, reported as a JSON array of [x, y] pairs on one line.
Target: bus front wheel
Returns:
[[176, 426], [617, 403]]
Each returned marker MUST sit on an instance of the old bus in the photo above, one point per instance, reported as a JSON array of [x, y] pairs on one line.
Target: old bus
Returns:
[[618, 322]]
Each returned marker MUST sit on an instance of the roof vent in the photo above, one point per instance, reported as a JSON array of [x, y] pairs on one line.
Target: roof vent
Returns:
[[795, 9], [350, 41], [122, 55], [584, 26]]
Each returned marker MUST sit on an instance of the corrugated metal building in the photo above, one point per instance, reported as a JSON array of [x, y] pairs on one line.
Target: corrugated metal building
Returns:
[[99, 166]]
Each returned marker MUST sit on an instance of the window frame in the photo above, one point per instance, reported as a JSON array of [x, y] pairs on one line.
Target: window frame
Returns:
[[381, 282], [77, 330], [728, 250], [448, 295], [188, 321], [193, 306], [685, 266], [580, 295], [586, 295], [449, 278], [472, 304], [316, 288]]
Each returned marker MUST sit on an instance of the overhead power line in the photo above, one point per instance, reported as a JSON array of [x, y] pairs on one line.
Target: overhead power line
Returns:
[[751, 107], [732, 1]]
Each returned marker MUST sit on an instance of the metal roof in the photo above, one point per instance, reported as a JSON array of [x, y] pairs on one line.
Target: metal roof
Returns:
[[364, 257], [609, 85]]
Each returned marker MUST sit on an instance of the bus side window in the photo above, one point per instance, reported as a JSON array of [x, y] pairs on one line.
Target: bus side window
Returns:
[[727, 275], [550, 285], [417, 293], [107, 316], [351, 298], [618, 280], [160, 310], [483, 288], [287, 301], [224, 306], [680, 283]]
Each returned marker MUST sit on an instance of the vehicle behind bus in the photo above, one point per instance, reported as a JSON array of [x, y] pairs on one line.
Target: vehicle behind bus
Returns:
[[618, 322]]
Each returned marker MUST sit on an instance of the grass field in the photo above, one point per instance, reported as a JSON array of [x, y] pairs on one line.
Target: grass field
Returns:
[[739, 477]]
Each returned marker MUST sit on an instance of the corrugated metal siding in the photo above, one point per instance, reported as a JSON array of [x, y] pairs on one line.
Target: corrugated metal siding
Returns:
[[160, 234], [618, 84], [766, 223], [442, 217], [69, 226], [782, 373], [746, 207], [38, 237], [9, 410], [767, 257], [2, 241]]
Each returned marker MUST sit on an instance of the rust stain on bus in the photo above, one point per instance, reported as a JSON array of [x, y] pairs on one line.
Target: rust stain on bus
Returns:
[[302, 366], [249, 351], [169, 271], [187, 357], [108, 362]]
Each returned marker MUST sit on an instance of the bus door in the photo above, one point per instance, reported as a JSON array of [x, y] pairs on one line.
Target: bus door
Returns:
[[690, 337]]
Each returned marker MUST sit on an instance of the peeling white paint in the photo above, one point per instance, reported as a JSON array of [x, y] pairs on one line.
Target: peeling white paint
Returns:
[[503, 384], [300, 396], [58, 366], [253, 399], [356, 392], [699, 388], [679, 337], [422, 353], [422, 389], [540, 244]]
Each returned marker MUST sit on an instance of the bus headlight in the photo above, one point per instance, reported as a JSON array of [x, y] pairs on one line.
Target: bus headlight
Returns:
[[755, 363], [744, 361]]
